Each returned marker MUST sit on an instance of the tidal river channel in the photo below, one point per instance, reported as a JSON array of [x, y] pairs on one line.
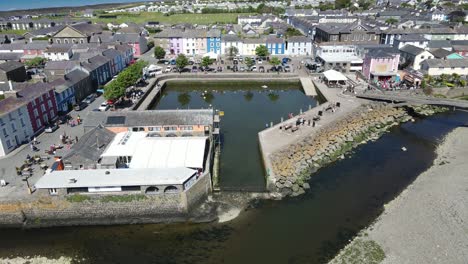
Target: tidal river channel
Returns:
[[344, 197]]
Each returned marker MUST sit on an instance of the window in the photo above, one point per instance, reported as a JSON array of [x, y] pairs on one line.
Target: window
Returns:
[[40, 99], [422, 57], [19, 111], [10, 116], [36, 113], [38, 123], [43, 108], [5, 134], [154, 128], [22, 122], [185, 128], [1, 122], [52, 114], [8, 143], [170, 128], [13, 127], [49, 103], [53, 191]]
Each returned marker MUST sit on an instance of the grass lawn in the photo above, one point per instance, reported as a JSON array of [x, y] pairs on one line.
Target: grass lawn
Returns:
[[143, 17], [13, 31]]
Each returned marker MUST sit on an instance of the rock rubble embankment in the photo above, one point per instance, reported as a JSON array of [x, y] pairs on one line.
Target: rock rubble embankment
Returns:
[[293, 166]]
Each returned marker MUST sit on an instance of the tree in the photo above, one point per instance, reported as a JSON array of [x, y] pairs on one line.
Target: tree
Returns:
[[126, 78], [159, 52], [249, 62], [206, 61], [342, 4], [150, 44], [261, 51], [275, 61], [181, 61], [290, 32], [232, 51], [36, 62], [391, 21]]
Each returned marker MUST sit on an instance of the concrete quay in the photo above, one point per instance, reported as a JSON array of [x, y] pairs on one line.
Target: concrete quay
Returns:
[[274, 139], [308, 86]]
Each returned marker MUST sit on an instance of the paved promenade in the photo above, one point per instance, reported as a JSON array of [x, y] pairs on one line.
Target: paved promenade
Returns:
[[274, 138]]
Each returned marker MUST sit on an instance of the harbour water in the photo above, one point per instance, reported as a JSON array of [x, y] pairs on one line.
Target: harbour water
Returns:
[[344, 197]]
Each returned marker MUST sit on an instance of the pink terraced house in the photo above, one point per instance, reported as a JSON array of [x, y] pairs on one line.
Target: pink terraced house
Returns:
[[380, 64]]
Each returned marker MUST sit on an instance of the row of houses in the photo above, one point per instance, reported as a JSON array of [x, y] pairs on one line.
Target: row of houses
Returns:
[[28, 108], [199, 42]]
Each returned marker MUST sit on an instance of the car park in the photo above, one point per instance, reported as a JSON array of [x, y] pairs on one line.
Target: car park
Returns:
[[104, 106]]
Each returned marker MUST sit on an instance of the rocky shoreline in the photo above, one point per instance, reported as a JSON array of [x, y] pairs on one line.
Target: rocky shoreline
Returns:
[[294, 165]]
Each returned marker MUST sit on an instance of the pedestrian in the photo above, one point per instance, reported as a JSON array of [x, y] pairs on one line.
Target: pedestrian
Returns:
[[76, 138], [35, 141], [313, 124], [32, 146], [61, 137]]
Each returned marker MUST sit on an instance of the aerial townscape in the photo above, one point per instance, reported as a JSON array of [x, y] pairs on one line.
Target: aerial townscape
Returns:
[[299, 131]]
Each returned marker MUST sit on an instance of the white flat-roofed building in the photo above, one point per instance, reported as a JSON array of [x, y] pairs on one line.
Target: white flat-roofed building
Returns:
[[344, 58], [140, 150]]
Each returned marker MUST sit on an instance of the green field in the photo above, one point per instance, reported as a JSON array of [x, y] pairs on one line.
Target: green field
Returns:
[[144, 17], [11, 31]]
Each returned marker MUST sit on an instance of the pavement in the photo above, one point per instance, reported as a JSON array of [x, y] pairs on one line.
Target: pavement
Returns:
[[16, 187]]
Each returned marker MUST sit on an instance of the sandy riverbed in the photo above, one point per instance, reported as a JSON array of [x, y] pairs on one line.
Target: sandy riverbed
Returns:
[[428, 222]]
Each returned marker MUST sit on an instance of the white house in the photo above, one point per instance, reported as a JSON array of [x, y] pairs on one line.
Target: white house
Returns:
[[436, 67], [417, 40], [58, 52], [297, 45], [413, 56], [15, 126], [250, 45], [231, 41], [242, 20]]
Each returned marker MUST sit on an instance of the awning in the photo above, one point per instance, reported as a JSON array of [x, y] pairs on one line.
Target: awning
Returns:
[[332, 75]]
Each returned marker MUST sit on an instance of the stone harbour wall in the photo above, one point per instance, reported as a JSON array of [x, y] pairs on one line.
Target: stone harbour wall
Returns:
[[46, 211], [294, 165]]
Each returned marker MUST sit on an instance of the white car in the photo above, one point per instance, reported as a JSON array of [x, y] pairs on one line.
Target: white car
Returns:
[[168, 69], [104, 106], [253, 68], [259, 61]]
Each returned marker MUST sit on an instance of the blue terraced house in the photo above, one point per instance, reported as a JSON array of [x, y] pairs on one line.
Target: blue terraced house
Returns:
[[213, 41], [275, 45]]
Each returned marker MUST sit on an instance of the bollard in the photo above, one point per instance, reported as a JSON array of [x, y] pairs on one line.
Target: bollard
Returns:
[[310, 107], [271, 124], [282, 120], [300, 111]]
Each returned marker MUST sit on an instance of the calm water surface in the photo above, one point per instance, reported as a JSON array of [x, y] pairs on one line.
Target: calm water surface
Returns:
[[344, 198], [6, 5]]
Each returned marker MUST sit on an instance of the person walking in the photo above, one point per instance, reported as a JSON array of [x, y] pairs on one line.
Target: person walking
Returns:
[[35, 141]]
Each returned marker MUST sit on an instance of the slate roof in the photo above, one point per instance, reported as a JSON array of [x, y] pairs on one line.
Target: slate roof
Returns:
[[413, 50], [412, 37], [87, 29], [435, 44], [45, 31], [86, 150], [151, 118], [60, 65], [10, 66], [441, 53], [75, 76], [59, 48], [436, 63], [10, 56], [299, 39], [273, 39], [95, 62], [381, 53], [25, 95]]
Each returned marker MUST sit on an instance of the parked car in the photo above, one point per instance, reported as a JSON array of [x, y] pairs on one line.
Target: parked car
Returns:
[[104, 106], [80, 106], [219, 69], [260, 61], [241, 59], [235, 61], [235, 68], [285, 60], [194, 69], [173, 62], [242, 68], [253, 68], [261, 69], [287, 68], [163, 61], [90, 98], [51, 128], [168, 69]]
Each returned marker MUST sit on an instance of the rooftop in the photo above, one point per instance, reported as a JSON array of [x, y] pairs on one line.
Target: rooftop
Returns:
[[114, 178], [11, 65]]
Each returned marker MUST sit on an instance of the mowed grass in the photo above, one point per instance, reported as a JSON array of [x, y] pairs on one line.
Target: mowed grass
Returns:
[[13, 31], [224, 18]]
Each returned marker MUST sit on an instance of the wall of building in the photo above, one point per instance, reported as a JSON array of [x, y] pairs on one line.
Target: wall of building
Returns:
[[15, 128], [43, 210]]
